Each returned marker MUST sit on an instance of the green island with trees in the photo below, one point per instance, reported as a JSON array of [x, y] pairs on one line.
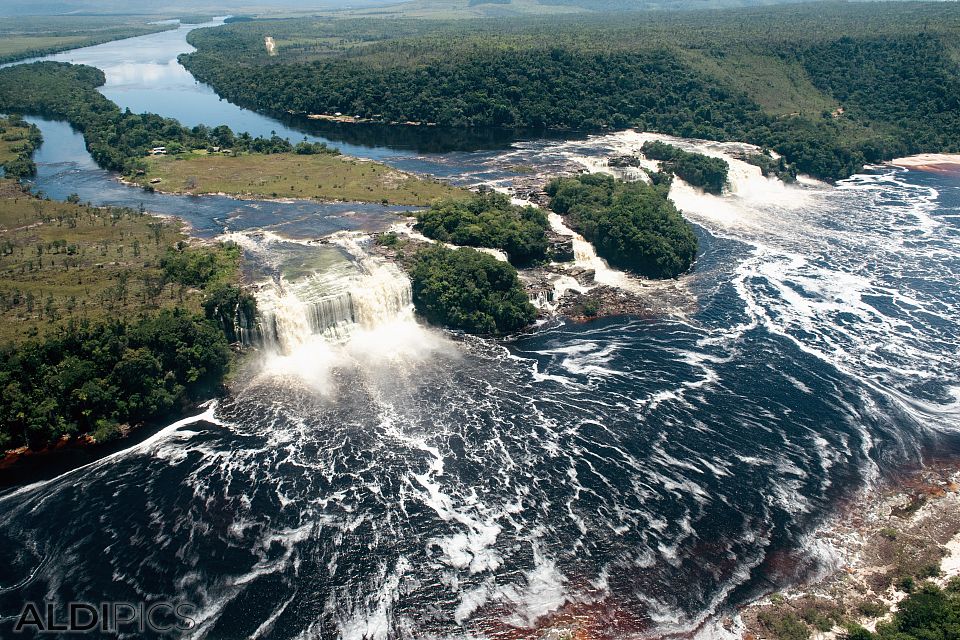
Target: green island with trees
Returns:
[[710, 174], [633, 225], [488, 219], [469, 290], [829, 88], [109, 318], [201, 159]]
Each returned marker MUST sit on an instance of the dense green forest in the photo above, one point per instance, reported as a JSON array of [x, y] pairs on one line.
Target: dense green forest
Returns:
[[91, 378], [488, 219], [830, 87], [118, 140], [633, 225], [710, 174], [469, 290]]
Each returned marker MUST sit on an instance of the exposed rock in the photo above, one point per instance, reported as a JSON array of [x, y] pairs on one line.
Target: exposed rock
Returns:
[[883, 540], [559, 247], [602, 301], [582, 275]]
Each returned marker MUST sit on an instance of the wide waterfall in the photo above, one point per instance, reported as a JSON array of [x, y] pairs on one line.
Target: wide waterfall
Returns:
[[333, 304]]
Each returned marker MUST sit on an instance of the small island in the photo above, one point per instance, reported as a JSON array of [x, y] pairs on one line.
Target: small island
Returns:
[[633, 225], [488, 219], [697, 169], [468, 290]]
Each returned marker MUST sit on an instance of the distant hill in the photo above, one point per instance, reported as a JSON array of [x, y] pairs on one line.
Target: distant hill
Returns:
[[169, 7], [413, 8]]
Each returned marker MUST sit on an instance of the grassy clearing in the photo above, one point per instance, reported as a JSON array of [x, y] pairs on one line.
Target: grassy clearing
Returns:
[[13, 139], [63, 261], [11, 46], [31, 36], [780, 87], [288, 175]]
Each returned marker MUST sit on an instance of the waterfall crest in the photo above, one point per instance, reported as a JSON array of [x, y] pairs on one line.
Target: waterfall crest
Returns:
[[333, 304]]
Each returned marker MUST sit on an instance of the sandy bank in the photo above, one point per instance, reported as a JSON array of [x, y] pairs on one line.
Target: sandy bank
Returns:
[[935, 162]]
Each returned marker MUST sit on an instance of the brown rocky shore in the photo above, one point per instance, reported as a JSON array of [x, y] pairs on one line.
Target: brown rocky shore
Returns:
[[886, 541]]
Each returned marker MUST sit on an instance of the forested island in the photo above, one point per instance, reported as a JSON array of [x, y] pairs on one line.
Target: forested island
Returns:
[[710, 174], [633, 225], [488, 219], [828, 88], [469, 290]]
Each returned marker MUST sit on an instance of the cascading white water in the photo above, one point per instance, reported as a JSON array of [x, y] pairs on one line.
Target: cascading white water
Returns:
[[353, 314], [333, 304]]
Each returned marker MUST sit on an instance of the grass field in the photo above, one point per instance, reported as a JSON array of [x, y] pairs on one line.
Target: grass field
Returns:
[[288, 175], [779, 86], [61, 261], [17, 45], [42, 35], [12, 140]]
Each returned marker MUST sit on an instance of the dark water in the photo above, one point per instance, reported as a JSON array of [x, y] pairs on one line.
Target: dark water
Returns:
[[623, 477]]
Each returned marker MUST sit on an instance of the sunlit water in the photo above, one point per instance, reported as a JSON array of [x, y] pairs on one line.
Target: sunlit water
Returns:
[[622, 477]]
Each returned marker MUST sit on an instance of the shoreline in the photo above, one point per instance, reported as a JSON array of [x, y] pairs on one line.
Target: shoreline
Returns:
[[944, 163], [884, 540], [22, 466]]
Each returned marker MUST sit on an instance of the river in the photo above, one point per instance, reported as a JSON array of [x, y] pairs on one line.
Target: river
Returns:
[[375, 478]]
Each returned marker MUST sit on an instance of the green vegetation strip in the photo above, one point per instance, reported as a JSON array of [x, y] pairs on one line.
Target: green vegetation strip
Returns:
[[35, 36]]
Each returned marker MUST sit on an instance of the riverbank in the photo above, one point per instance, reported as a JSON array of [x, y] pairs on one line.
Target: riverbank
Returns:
[[31, 36], [23, 466], [886, 542], [323, 177], [934, 162]]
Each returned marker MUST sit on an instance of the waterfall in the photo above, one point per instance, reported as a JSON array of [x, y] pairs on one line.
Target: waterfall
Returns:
[[333, 304]]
